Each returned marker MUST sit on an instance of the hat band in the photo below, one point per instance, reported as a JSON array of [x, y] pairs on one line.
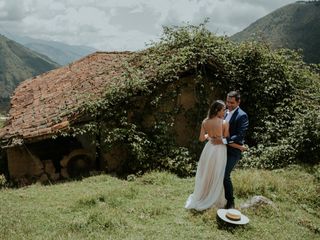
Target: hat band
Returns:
[[233, 218]]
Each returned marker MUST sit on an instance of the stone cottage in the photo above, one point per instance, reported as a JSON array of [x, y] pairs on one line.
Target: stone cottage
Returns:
[[44, 107]]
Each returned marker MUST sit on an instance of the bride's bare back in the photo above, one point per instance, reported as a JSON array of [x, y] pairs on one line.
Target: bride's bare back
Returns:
[[213, 127]]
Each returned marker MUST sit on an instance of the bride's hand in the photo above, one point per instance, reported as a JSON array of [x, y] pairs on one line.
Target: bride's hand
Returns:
[[206, 137], [216, 141]]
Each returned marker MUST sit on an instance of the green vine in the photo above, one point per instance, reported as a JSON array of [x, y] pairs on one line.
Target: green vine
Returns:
[[279, 92]]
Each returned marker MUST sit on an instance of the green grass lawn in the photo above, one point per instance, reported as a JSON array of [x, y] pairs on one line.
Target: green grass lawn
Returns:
[[152, 207]]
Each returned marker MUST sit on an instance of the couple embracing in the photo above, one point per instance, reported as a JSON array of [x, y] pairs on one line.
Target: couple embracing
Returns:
[[224, 129]]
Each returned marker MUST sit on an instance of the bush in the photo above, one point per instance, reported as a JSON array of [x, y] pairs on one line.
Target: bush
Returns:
[[269, 157], [306, 136], [179, 162], [3, 181], [280, 93]]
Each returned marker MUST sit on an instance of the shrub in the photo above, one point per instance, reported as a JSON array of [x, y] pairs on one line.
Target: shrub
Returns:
[[280, 93], [3, 181]]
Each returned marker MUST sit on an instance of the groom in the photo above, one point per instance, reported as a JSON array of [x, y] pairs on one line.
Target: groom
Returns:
[[238, 124]]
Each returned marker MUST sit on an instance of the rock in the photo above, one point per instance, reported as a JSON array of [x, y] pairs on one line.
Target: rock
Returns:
[[55, 176], [64, 173], [256, 201], [49, 169], [43, 178]]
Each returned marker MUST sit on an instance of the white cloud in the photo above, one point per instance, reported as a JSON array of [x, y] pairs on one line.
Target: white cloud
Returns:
[[125, 24]]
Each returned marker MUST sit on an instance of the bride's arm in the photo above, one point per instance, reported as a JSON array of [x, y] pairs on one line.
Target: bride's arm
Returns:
[[226, 134], [203, 136], [225, 129]]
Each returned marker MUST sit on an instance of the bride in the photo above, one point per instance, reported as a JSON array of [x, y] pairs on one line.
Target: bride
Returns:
[[208, 191]]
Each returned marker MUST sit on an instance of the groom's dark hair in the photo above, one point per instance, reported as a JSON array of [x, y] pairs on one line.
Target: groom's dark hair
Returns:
[[234, 94]]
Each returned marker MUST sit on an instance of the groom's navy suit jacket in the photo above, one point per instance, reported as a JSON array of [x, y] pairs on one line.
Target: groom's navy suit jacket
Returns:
[[238, 125]]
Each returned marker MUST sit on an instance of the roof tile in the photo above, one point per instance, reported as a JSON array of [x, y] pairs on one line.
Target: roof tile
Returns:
[[38, 102]]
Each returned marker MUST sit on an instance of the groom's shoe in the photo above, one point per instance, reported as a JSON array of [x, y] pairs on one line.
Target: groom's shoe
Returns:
[[229, 205]]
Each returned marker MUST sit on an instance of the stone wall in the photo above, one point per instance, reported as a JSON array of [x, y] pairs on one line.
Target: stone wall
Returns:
[[51, 159], [179, 95], [22, 163]]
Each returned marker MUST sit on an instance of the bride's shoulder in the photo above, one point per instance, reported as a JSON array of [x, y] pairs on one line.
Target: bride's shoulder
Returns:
[[205, 120]]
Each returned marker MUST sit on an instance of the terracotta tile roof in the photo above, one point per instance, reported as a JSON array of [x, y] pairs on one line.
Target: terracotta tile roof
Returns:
[[37, 102]]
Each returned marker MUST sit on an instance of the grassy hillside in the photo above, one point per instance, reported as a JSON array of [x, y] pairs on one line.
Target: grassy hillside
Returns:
[[151, 207], [295, 26], [18, 63]]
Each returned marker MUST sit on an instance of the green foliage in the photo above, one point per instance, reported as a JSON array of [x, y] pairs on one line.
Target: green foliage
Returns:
[[269, 157], [280, 93], [3, 181], [137, 142], [179, 161], [290, 133]]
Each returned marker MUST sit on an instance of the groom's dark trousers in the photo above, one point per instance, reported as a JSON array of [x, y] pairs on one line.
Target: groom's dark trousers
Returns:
[[233, 156], [238, 125]]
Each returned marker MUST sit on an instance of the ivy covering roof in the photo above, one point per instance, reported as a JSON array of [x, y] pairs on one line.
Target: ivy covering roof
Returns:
[[279, 92], [52, 102]]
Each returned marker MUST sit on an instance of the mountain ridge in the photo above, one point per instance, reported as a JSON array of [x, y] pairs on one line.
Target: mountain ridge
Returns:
[[294, 26], [18, 63], [59, 52]]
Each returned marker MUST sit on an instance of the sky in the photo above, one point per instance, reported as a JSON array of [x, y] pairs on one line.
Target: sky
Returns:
[[118, 25]]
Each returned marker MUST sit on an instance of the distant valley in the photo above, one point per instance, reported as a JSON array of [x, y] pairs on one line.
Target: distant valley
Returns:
[[59, 52]]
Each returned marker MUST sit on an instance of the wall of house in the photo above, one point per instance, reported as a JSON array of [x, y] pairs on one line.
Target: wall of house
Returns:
[[185, 125], [113, 160], [178, 98], [22, 163], [52, 159]]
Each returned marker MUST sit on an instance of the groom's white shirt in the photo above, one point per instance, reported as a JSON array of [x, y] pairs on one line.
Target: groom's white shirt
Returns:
[[229, 115], [227, 119]]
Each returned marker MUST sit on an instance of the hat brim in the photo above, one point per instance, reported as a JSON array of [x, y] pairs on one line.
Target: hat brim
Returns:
[[222, 215]]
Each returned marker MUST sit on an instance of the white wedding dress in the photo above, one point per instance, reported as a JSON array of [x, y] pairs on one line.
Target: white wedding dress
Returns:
[[209, 190]]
